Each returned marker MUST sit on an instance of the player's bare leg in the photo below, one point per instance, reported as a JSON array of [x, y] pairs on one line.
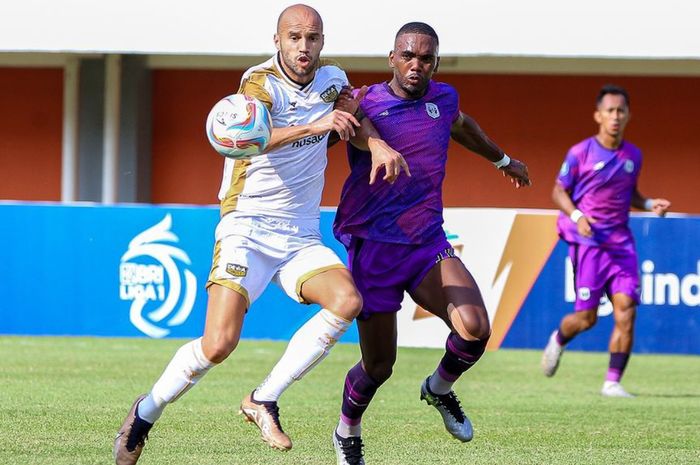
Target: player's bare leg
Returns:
[[450, 292], [225, 311], [624, 311], [570, 326], [378, 346], [335, 292]]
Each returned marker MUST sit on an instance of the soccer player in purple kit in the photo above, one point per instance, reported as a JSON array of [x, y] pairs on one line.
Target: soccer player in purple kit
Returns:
[[595, 188], [395, 240]]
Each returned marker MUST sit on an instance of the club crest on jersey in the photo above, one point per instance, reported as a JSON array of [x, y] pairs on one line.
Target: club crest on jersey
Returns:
[[329, 95], [432, 110], [239, 271], [584, 293], [629, 166]]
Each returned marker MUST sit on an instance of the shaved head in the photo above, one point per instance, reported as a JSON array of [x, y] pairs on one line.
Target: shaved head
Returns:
[[299, 41], [298, 13]]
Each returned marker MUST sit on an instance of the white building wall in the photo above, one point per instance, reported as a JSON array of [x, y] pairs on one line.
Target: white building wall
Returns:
[[546, 28]]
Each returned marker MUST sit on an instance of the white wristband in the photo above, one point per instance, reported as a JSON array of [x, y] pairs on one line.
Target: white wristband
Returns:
[[649, 204], [505, 161], [576, 215]]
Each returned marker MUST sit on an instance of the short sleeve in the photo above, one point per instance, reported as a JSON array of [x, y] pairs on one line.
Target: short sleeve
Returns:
[[569, 171], [455, 116], [254, 86]]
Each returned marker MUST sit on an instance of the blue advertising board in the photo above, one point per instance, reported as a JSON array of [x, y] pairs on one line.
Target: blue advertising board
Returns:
[[121, 271], [668, 317], [140, 271]]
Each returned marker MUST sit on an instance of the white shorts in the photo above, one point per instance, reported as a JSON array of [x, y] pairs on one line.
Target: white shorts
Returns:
[[251, 251]]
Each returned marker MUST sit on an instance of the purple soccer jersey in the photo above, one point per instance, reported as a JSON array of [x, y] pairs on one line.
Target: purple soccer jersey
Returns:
[[410, 210], [601, 182]]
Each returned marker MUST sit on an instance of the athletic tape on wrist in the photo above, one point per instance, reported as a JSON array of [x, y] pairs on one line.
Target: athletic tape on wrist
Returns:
[[576, 215], [505, 161]]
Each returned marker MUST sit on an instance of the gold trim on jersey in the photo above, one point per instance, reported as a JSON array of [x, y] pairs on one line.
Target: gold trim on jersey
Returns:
[[238, 178], [306, 276], [254, 85], [329, 62]]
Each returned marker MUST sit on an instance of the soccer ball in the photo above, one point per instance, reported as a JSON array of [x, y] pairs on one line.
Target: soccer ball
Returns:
[[239, 126]]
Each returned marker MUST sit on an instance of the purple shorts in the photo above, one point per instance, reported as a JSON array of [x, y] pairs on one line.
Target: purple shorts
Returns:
[[599, 271], [384, 271]]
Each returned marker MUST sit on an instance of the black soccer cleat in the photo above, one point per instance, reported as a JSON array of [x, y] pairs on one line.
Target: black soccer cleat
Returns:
[[348, 450]]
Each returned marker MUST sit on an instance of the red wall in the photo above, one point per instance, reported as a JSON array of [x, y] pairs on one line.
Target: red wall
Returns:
[[534, 118], [185, 167], [31, 113]]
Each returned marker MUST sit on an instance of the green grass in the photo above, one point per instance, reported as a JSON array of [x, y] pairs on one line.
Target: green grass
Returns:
[[62, 400]]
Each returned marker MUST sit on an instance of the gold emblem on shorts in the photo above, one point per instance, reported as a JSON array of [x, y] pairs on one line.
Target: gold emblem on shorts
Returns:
[[239, 271]]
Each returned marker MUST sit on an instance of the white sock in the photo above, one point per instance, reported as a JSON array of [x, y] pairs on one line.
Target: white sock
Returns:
[[187, 367], [439, 385], [149, 410], [345, 431], [309, 345]]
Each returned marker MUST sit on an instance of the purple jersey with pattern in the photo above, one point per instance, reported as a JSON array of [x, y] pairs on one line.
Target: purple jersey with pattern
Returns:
[[601, 182], [410, 210]]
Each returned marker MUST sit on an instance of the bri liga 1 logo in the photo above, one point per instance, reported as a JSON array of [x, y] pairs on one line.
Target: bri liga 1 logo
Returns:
[[154, 276]]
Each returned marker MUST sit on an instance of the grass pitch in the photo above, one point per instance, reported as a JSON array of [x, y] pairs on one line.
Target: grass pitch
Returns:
[[63, 399]]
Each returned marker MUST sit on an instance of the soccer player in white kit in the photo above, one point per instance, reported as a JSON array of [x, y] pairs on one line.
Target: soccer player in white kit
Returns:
[[269, 231]]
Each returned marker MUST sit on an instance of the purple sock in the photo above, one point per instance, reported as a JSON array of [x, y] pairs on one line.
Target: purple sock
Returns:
[[357, 394], [618, 362], [561, 339], [460, 355]]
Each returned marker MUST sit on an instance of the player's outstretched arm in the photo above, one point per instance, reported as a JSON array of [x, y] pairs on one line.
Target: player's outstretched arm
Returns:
[[339, 121], [342, 122], [563, 201], [467, 133], [659, 206]]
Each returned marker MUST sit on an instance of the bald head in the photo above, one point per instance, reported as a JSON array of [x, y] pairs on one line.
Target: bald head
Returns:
[[296, 14], [299, 40]]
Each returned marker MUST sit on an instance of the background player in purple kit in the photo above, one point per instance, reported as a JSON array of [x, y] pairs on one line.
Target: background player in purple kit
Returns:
[[394, 236], [595, 188]]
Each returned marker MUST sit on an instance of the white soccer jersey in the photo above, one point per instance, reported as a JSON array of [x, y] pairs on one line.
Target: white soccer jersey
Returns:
[[288, 181]]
